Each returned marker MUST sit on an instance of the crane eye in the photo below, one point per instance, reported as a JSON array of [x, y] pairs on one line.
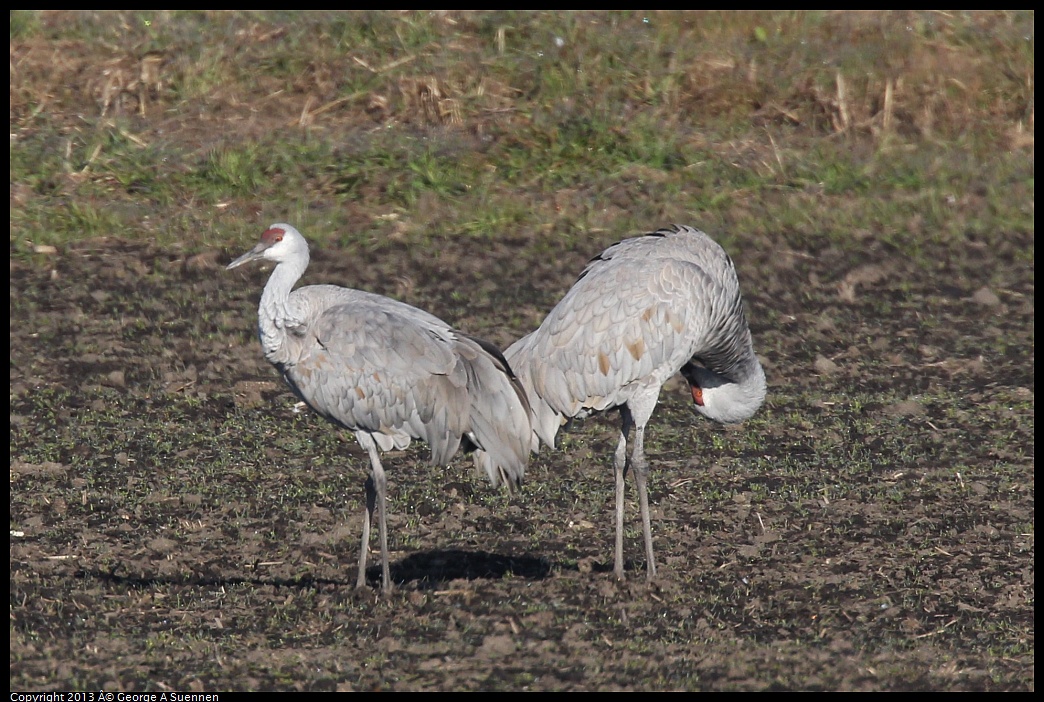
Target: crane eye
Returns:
[[697, 395]]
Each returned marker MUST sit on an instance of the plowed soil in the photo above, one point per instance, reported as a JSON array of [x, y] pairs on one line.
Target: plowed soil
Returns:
[[179, 523]]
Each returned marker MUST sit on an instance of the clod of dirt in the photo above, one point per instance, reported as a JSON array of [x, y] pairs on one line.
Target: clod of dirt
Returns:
[[986, 297], [206, 261], [863, 275], [906, 408], [824, 366], [116, 379]]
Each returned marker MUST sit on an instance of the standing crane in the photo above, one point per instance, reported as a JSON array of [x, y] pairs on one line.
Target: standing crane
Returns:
[[641, 311], [390, 373]]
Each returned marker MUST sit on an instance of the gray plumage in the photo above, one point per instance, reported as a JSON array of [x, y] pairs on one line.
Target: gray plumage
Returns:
[[643, 310], [390, 373]]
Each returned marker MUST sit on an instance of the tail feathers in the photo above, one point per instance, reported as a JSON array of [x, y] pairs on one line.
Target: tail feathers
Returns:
[[546, 423], [545, 420], [500, 415]]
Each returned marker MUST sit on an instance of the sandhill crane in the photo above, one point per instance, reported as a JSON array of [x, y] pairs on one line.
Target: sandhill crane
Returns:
[[643, 310], [390, 373]]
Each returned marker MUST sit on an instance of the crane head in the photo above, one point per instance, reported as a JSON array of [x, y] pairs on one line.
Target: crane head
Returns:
[[722, 399], [280, 242]]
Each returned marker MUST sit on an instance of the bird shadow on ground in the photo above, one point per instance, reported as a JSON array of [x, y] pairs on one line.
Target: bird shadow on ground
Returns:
[[433, 569], [428, 570]]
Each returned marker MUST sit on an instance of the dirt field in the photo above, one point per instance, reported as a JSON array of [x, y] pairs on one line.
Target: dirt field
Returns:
[[178, 523], [190, 531]]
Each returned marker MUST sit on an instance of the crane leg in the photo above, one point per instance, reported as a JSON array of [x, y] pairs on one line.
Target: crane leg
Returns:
[[376, 490], [641, 407], [620, 466], [364, 547], [641, 474], [382, 489]]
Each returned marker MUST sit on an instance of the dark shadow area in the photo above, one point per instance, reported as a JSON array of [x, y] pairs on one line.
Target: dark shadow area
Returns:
[[431, 569]]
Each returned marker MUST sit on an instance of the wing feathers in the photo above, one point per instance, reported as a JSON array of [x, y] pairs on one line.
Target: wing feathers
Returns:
[[372, 365]]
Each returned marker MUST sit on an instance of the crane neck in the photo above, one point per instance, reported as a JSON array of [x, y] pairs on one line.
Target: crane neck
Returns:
[[751, 380], [745, 369], [277, 312], [740, 399]]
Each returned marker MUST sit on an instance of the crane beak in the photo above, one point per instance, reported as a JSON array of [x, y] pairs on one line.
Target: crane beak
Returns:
[[251, 255]]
